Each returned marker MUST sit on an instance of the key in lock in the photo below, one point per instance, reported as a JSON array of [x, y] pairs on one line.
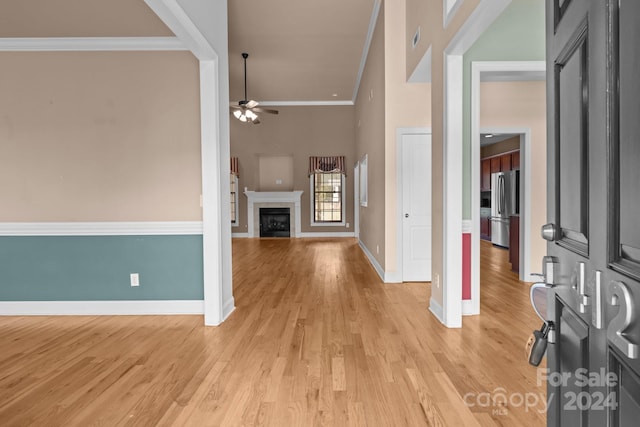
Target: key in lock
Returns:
[[537, 343]]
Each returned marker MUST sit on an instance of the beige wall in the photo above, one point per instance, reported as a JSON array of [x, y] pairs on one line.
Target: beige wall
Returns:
[[429, 15], [370, 140], [406, 105], [402, 105], [523, 105], [275, 173], [296, 132], [79, 18], [99, 136]]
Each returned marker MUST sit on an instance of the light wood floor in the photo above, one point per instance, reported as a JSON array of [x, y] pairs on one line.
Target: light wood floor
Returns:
[[316, 339]]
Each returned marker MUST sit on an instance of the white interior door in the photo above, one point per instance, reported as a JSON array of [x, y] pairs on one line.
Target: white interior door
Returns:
[[416, 207]]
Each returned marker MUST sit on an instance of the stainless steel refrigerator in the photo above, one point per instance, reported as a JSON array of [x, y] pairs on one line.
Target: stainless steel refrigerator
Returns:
[[505, 192]]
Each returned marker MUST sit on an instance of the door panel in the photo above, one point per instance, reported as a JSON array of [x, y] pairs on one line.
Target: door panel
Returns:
[[593, 154], [628, 172], [628, 389], [570, 354], [416, 205], [572, 99], [624, 196]]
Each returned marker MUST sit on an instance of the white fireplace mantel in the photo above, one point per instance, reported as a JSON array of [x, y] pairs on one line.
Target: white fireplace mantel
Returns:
[[271, 198]]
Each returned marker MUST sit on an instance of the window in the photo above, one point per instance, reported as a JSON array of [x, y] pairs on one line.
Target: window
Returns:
[[233, 180], [327, 189], [234, 199], [326, 186]]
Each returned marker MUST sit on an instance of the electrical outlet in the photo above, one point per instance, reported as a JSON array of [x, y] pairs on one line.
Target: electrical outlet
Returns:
[[378, 249], [436, 279], [347, 225], [135, 279], [278, 182]]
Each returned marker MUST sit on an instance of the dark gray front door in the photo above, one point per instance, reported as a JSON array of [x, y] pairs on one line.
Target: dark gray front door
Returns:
[[593, 57]]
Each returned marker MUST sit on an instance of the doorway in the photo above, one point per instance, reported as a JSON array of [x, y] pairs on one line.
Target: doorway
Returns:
[[496, 71], [501, 193], [356, 200]]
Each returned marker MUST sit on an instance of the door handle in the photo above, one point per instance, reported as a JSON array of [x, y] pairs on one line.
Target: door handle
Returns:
[[406, 215], [499, 201], [547, 275]]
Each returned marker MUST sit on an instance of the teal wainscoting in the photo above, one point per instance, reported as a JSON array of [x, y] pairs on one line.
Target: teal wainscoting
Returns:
[[97, 268]]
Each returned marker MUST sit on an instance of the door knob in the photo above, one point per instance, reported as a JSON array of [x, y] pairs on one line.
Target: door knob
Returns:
[[549, 232], [406, 215]]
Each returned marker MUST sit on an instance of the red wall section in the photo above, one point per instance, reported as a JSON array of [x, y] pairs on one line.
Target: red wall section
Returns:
[[466, 266]]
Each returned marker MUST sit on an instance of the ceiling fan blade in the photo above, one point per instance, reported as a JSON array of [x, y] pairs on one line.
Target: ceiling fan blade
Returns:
[[251, 104], [235, 107], [265, 110], [256, 121]]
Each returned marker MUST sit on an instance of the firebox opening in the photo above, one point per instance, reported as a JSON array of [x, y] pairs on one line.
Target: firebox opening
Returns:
[[275, 222]]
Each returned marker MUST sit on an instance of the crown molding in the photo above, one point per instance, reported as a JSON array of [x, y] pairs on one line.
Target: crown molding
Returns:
[[300, 103], [365, 50], [181, 24], [83, 44]]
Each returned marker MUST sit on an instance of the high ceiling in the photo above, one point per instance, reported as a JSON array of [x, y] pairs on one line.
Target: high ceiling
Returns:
[[79, 18], [299, 50]]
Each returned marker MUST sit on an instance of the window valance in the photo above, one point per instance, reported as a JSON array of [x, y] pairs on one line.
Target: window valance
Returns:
[[326, 164], [234, 166]]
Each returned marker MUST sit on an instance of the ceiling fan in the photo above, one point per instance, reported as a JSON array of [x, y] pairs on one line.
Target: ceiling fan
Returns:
[[246, 111]]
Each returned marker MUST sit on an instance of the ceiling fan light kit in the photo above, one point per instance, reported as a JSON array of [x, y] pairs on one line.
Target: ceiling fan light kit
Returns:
[[246, 110]]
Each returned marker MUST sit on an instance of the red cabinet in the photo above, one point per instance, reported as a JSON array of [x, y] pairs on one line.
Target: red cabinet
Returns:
[[485, 177], [485, 228], [514, 243], [505, 162], [500, 163], [496, 165], [515, 160]]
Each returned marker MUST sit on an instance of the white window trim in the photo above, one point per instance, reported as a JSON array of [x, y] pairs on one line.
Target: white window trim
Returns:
[[237, 223], [312, 207]]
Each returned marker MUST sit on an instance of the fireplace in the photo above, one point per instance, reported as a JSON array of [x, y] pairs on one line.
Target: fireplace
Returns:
[[275, 222], [257, 200]]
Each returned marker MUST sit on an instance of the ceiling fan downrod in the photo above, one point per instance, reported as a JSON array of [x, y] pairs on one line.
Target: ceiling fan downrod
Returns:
[[244, 101]]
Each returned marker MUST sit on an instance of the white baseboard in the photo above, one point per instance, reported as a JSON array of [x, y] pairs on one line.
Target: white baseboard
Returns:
[[303, 235], [328, 234], [467, 308], [392, 277], [437, 310], [228, 308], [101, 308], [372, 260]]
